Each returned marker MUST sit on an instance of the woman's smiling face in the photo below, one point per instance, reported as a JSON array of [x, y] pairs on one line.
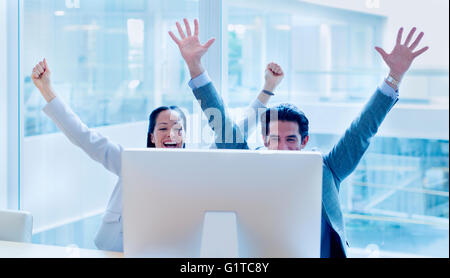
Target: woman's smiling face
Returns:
[[169, 130]]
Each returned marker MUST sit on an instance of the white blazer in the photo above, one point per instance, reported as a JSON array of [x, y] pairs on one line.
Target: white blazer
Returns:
[[102, 150], [110, 235]]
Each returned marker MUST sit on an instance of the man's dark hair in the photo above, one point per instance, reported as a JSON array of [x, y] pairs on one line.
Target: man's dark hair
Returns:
[[285, 112]]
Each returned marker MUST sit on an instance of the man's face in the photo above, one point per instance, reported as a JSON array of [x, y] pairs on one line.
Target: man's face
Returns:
[[284, 135]]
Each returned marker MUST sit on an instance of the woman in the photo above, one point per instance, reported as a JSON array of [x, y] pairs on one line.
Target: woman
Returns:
[[166, 130]]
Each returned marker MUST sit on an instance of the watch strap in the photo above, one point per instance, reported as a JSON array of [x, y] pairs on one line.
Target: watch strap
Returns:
[[393, 80], [268, 93]]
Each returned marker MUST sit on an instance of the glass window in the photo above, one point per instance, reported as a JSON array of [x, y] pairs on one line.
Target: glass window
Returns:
[[323, 52], [327, 54], [112, 62], [106, 57], [396, 202]]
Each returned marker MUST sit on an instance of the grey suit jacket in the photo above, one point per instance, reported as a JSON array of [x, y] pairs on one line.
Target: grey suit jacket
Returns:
[[338, 164]]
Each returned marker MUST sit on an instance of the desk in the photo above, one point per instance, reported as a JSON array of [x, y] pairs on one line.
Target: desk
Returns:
[[27, 250]]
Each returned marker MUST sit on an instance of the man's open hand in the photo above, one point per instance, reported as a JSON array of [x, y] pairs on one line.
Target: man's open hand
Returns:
[[190, 47], [403, 55]]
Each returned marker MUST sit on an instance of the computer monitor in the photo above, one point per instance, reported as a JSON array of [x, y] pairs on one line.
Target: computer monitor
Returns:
[[274, 197]]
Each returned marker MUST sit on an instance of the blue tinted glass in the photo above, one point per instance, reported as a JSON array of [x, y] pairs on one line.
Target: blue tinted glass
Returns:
[[108, 58]]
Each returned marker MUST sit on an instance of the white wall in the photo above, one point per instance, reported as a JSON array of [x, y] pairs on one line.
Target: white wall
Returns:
[[404, 121], [431, 17], [3, 100], [61, 183]]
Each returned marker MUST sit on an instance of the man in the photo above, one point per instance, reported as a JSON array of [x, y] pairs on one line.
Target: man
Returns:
[[286, 128]]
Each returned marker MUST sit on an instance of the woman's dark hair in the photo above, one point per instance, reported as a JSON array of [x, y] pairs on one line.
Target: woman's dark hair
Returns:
[[152, 122], [285, 112]]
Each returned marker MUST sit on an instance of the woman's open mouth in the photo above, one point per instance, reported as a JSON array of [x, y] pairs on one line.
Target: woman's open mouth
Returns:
[[170, 145]]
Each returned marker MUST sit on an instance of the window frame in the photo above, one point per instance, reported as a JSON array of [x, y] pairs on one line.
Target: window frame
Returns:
[[12, 181], [3, 107], [213, 24]]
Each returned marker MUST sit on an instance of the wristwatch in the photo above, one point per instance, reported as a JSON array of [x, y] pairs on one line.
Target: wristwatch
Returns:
[[392, 80], [268, 93]]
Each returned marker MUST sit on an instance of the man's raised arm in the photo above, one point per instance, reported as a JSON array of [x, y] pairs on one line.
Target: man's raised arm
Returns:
[[227, 134], [345, 156], [273, 76]]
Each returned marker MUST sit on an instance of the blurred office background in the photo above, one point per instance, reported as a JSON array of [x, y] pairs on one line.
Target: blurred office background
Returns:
[[113, 62]]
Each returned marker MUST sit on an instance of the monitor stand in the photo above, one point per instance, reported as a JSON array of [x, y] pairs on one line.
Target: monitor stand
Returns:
[[219, 235]]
